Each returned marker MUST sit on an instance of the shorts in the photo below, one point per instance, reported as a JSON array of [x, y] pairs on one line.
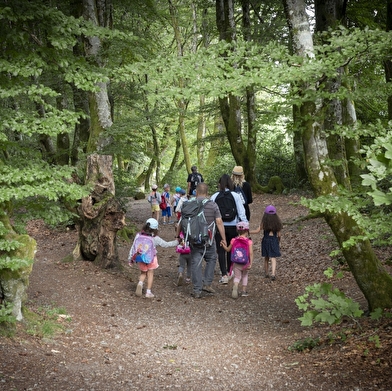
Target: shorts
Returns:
[[155, 208], [167, 212]]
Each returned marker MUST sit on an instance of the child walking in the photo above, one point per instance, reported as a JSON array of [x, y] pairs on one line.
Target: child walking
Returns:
[[154, 198], [166, 213], [270, 243], [184, 262], [241, 248], [150, 229]]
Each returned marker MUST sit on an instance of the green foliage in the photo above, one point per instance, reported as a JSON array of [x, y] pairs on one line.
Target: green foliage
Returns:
[[325, 304], [13, 263], [6, 317], [379, 176], [46, 322], [304, 344]]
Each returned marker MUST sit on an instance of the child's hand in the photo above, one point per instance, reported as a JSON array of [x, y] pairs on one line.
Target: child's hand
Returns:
[[249, 266]]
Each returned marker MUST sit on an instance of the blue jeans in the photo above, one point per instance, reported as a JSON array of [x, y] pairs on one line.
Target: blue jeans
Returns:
[[198, 277]]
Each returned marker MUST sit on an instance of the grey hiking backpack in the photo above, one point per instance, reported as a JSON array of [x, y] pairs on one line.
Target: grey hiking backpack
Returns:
[[194, 225]]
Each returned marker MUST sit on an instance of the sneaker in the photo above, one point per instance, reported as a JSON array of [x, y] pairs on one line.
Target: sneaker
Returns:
[[208, 288], [188, 280], [180, 279], [234, 293], [139, 289], [230, 276], [244, 293], [266, 275], [273, 278], [149, 295], [196, 295], [224, 280]]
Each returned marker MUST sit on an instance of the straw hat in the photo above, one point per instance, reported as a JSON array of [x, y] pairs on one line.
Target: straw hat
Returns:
[[238, 170]]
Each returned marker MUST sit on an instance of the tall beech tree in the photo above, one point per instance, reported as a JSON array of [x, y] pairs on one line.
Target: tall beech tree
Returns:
[[371, 277]]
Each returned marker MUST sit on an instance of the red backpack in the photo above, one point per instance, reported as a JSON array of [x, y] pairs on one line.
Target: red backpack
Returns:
[[240, 250]]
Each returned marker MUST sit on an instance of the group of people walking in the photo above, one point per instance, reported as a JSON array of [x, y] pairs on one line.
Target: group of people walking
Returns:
[[229, 229]]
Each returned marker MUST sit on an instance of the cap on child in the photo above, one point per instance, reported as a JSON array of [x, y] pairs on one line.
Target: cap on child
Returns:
[[270, 209], [153, 223]]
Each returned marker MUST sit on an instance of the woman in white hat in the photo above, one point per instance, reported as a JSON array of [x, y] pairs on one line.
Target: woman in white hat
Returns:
[[242, 188]]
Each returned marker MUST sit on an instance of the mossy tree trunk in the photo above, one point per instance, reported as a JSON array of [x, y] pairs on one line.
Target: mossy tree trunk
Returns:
[[372, 278], [242, 148], [14, 281], [101, 215]]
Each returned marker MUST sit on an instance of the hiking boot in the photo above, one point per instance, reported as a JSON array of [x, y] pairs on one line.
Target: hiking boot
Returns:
[[208, 288], [224, 280], [244, 294], [234, 293], [196, 295], [149, 295], [180, 279]]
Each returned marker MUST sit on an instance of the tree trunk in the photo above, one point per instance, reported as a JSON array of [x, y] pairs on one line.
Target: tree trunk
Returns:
[[388, 63], [242, 148], [329, 14], [101, 215], [99, 13], [182, 104], [300, 169], [372, 279], [14, 282]]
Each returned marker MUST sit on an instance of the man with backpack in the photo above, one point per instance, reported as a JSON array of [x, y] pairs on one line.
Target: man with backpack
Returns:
[[200, 218], [232, 211], [194, 178]]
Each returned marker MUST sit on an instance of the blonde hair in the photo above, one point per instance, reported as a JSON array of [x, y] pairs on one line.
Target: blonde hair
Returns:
[[238, 180]]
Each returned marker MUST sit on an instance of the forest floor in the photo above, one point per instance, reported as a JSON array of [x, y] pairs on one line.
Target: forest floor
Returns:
[[114, 340]]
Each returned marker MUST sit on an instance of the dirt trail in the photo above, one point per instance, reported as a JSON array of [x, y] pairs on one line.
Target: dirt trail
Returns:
[[116, 341]]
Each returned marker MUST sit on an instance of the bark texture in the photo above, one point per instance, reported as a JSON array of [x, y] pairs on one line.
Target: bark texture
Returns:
[[372, 278], [14, 283], [101, 215]]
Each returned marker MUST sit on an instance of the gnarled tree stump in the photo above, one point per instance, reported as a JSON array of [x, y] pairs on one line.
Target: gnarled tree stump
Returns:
[[101, 215]]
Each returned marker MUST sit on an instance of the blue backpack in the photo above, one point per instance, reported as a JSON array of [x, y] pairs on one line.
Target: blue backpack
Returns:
[[143, 249]]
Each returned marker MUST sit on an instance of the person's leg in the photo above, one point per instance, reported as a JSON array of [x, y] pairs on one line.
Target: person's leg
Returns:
[[188, 267], [221, 254], [169, 215], [266, 266], [164, 213], [237, 279], [150, 279], [139, 287], [273, 268], [231, 232], [210, 258], [181, 268], [244, 282], [197, 271]]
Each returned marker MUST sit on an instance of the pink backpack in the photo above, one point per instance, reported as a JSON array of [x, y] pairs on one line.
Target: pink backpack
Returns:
[[240, 250], [143, 249]]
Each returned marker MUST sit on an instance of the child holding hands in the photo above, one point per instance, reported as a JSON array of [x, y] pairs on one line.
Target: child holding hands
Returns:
[[241, 248], [270, 243], [150, 229]]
